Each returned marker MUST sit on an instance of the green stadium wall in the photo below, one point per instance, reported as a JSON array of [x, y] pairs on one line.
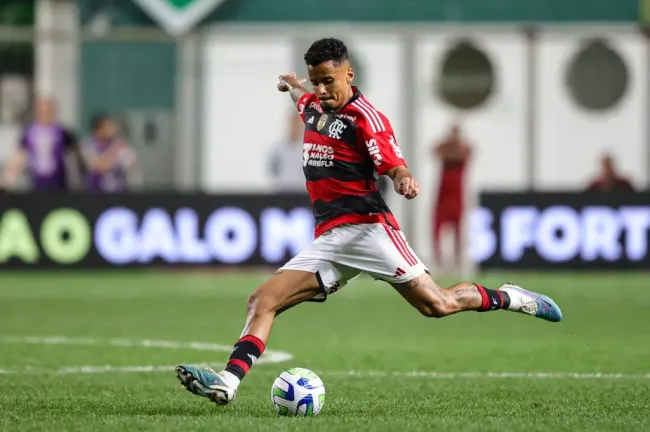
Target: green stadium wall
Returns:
[[127, 13]]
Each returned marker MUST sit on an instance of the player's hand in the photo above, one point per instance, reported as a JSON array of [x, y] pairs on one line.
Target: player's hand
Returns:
[[408, 187], [289, 81]]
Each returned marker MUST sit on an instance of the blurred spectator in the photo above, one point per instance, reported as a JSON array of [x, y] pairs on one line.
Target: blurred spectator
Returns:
[[110, 160], [43, 150], [287, 159], [609, 178], [453, 154]]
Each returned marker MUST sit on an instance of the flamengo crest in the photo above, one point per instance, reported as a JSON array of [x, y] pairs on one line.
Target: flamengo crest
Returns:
[[178, 16]]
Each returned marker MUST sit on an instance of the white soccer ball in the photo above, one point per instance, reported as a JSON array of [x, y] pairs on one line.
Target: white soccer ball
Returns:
[[298, 392]]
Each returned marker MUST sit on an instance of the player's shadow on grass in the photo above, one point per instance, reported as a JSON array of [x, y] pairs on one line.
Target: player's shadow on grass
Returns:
[[173, 408]]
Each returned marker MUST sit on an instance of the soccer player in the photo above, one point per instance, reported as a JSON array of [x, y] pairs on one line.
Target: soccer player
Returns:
[[347, 142]]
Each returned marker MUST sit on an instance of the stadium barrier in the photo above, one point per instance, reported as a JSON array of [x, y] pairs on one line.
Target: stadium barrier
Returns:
[[97, 231], [588, 230], [507, 230]]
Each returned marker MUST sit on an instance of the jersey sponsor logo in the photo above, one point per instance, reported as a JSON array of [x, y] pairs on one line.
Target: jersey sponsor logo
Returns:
[[347, 117], [373, 150], [305, 153], [316, 106], [396, 148], [317, 155], [336, 129]]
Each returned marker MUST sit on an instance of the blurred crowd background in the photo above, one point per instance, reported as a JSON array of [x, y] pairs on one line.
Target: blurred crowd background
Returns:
[[131, 96]]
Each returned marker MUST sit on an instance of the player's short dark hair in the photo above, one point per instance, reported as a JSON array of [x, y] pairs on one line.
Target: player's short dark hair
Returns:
[[325, 50]]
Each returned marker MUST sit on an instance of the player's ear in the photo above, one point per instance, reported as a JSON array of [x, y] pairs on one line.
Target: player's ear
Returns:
[[350, 75]]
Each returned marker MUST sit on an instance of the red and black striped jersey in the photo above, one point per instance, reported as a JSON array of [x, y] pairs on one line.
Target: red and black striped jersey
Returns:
[[344, 153]]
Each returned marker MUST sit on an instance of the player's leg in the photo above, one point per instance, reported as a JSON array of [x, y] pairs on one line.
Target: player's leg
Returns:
[[436, 302], [431, 300], [283, 290], [309, 275], [413, 282]]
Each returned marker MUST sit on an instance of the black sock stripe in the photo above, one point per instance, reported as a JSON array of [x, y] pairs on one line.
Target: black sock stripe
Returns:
[[245, 348], [242, 353]]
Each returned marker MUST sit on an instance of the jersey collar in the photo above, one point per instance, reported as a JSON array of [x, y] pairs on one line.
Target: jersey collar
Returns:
[[356, 94]]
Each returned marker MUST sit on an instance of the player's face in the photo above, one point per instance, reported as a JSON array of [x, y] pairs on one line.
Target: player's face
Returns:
[[332, 83]]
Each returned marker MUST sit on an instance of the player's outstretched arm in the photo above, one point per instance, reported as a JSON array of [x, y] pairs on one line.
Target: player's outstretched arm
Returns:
[[404, 182], [290, 83]]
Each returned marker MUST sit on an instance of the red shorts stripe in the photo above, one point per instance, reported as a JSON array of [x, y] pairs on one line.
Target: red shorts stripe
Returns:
[[398, 245], [255, 340], [400, 238], [407, 251], [242, 364]]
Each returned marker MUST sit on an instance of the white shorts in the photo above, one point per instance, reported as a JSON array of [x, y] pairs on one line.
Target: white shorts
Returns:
[[346, 251]]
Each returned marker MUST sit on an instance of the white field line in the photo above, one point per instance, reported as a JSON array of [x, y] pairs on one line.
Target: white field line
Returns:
[[75, 370], [494, 375], [271, 356], [386, 374]]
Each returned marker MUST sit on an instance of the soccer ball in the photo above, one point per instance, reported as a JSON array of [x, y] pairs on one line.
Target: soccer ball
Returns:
[[298, 392]]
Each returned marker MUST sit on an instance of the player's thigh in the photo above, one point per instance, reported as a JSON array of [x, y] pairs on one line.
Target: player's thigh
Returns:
[[284, 289], [311, 275], [380, 251], [384, 253], [424, 294]]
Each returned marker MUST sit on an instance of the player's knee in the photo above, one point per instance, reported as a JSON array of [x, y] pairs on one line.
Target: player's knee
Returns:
[[435, 304], [259, 302], [265, 299], [251, 302], [434, 309]]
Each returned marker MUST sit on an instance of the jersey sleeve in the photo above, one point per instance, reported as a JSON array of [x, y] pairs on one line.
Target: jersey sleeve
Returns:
[[303, 103], [380, 143]]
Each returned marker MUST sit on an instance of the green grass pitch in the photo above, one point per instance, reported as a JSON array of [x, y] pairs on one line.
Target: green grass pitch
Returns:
[[95, 351]]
